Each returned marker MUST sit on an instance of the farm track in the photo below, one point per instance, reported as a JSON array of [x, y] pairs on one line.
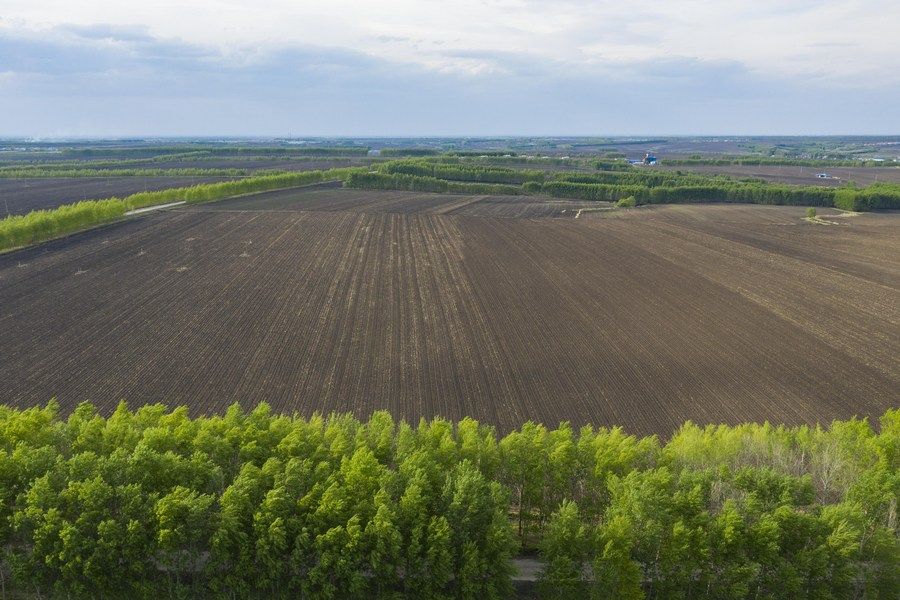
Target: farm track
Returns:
[[645, 319]]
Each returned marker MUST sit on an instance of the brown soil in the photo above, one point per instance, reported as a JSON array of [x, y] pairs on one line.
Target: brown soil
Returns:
[[714, 313]]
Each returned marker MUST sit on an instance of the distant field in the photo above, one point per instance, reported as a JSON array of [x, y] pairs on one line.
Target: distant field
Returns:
[[255, 163], [20, 196], [796, 175], [331, 197], [334, 300]]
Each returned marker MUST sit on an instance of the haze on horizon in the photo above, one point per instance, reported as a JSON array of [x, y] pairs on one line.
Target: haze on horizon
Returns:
[[416, 68]]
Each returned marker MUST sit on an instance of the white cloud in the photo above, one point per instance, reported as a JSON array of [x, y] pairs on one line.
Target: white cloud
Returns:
[[823, 40], [455, 68]]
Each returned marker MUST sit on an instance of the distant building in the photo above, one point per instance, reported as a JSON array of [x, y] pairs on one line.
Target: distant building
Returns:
[[649, 159]]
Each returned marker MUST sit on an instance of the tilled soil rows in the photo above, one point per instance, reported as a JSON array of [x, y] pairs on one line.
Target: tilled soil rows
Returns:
[[330, 197], [655, 316]]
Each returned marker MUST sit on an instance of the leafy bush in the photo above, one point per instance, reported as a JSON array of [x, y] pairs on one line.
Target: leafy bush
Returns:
[[811, 212], [628, 202]]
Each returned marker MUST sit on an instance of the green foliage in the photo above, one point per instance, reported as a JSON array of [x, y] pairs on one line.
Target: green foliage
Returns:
[[423, 168], [226, 189], [670, 191], [36, 226], [179, 151], [409, 152], [628, 202], [153, 502], [38, 171], [775, 160], [21, 230], [415, 183], [811, 212], [596, 191], [874, 197]]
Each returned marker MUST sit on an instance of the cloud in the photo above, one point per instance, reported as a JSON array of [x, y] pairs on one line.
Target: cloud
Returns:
[[619, 74]]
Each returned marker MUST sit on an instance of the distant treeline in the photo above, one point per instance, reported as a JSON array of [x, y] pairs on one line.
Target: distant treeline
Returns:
[[409, 152], [639, 177], [36, 226], [611, 165], [480, 153], [874, 197], [48, 171], [477, 173], [777, 161], [503, 160], [415, 183], [454, 174], [94, 163], [160, 151], [154, 503], [646, 187]]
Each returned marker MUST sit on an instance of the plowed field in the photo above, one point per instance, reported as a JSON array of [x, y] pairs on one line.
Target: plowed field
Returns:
[[429, 304], [330, 197], [20, 196]]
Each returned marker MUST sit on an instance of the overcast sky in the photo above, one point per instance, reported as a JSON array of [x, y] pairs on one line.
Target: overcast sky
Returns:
[[448, 67]]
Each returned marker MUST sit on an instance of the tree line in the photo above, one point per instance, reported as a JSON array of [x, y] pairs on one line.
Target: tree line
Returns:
[[409, 152], [152, 502], [99, 163], [476, 173], [644, 187], [417, 183], [48, 171], [214, 150], [779, 161], [39, 225], [875, 196], [22, 230]]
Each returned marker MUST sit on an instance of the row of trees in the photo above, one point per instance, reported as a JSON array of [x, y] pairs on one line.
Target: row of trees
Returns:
[[152, 502], [415, 183], [49, 171], [100, 163], [22, 230], [214, 150], [476, 173], [207, 192], [877, 196], [645, 187], [778, 160], [409, 152], [506, 160], [642, 177], [36, 226], [874, 197]]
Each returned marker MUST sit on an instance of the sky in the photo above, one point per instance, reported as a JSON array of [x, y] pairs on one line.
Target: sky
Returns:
[[448, 68]]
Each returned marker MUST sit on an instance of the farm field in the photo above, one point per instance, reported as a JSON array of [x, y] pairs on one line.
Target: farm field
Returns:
[[330, 197], [427, 304], [20, 196], [251, 163], [796, 175]]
